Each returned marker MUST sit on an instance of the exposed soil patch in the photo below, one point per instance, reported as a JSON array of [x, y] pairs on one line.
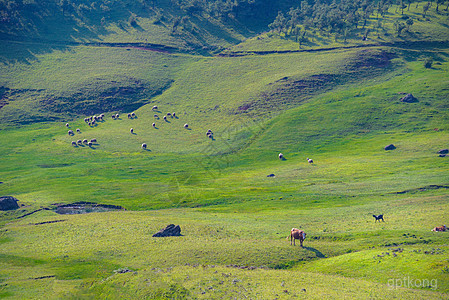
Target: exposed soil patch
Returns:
[[48, 222], [30, 213], [85, 207], [425, 188], [112, 96], [290, 92], [8, 95], [53, 165], [43, 277]]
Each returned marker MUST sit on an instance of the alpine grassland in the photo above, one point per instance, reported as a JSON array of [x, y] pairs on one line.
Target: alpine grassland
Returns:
[[216, 90]]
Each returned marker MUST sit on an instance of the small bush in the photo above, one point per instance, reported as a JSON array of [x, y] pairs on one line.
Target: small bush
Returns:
[[428, 63]]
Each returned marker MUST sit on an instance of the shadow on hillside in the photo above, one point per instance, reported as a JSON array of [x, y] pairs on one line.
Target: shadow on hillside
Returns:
[[55, 32], [317, 252]]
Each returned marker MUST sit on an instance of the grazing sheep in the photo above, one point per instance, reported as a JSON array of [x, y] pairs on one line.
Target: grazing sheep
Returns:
[[93, 140], [129, 116], [186, 125], [70, 132], [165, 118], [86, 120], [173, 115], [117, 116], [102, 116], [310, 161], [281, 156], [154, 107], [90, 144], [90, 124], [113, 117], [154, 124], [144, 146], [79, 142], [168, 114], [67, 125], [85, 141], [74, 143], [132, 130], [78, 130], [133, 115], [156, 116]]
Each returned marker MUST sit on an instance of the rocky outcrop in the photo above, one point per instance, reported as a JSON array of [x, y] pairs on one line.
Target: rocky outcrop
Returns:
[[8, 203], [390, 147], [170, 230], [409, 98]]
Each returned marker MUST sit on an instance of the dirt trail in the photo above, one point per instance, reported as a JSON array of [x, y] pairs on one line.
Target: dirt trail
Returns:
[[418, 45]]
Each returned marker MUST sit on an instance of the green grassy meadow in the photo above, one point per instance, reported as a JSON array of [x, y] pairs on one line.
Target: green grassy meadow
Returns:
[[340, 107]]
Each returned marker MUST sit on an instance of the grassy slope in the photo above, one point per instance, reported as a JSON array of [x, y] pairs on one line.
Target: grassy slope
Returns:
[[333, 200]]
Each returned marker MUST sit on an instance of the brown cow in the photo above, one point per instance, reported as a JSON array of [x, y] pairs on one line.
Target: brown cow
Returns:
[[297, 234], [441, 228]]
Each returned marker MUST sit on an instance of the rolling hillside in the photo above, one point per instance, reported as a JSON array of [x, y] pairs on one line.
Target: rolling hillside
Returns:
[[333, 97]]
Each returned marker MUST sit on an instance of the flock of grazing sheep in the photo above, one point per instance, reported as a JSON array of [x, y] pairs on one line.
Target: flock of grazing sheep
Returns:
[[93, 120]]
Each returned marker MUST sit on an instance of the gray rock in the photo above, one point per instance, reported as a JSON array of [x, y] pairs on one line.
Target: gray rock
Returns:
[[170, 230], [409, 98], [390, 147], [8, 203]]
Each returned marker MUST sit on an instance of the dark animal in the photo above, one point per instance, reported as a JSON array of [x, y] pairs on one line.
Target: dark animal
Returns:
[[297, 234], [441, 228], [378, 218]]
